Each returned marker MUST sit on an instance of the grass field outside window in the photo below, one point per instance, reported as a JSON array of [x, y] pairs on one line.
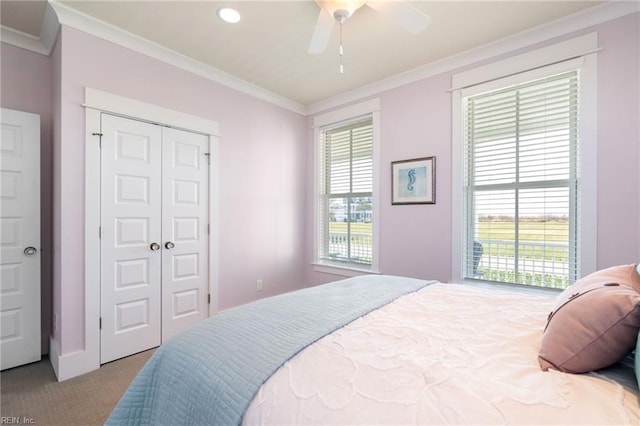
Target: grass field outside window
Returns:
[[543, 250]]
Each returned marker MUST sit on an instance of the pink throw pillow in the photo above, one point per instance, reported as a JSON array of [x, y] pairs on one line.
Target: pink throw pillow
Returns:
[[594, 323]]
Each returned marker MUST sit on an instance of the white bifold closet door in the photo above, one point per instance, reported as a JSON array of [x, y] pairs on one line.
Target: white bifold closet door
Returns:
[[19, 238], [154, 234]]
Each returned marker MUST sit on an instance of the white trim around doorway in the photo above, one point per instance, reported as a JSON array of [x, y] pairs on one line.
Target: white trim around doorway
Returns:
[[96, 103]]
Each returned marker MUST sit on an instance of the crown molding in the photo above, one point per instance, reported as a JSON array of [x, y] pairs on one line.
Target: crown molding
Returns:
[[22, 40], [82, 22], [57, 14], [41, 45], [560, 27], [50, 29]]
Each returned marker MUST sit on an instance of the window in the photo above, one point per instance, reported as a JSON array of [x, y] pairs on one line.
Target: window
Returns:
[[345, 194], [521, 202]]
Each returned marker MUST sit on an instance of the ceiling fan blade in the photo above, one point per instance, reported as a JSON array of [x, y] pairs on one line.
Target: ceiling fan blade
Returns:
[[409, 17], [322, 32]]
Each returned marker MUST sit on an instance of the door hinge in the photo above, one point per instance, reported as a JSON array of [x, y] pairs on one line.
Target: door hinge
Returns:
[[208, 157], [99, 139], [100, 323], [99, 232], [208, 299], [208, 228]]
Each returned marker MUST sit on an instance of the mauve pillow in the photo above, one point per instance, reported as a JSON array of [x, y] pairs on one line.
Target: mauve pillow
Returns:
[[594, 323], [637, 360]]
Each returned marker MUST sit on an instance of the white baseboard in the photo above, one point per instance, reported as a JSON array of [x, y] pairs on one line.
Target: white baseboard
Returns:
[[70, 365]]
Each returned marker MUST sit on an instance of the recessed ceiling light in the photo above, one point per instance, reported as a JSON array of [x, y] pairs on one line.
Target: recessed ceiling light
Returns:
[[229, 15]]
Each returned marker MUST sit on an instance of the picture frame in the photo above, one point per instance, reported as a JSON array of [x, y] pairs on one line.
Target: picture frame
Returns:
[[413, 181]]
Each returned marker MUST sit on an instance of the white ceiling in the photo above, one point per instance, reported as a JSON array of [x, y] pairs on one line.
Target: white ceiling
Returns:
[[268, 48]]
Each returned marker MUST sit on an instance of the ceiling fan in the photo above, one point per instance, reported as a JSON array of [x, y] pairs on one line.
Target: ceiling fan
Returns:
[[332, 11]]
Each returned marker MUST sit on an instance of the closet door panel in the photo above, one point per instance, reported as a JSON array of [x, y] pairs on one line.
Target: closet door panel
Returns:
[[185, 212], [131, 184]]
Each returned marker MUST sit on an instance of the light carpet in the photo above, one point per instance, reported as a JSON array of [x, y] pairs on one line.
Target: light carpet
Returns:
[[31, 394]]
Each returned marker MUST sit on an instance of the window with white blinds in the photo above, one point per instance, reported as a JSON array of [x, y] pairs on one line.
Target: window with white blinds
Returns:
[[346, 194], [521, 182]]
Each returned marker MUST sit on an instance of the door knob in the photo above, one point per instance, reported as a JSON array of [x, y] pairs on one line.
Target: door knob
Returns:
[[30, 251], [169, 245], [154, 246]]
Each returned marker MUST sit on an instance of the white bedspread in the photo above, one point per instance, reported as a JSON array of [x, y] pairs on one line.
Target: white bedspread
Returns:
[[448, 354]]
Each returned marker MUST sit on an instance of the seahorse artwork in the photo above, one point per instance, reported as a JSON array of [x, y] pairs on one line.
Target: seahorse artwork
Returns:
[[412, 179]]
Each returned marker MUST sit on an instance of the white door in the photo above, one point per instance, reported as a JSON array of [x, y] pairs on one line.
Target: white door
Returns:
[[19, 238], [154, 239], [130, 237], [185, 213]]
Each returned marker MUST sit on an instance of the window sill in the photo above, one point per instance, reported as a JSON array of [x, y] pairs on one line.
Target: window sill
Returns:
[[345, 271]]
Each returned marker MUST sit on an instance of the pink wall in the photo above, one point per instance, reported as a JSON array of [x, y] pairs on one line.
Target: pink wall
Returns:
[[416, 122], [415, 240], [26, 86], [618, 141], [261, 157]]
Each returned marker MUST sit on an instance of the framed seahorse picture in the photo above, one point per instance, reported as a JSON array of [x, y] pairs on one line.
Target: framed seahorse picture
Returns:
[[413, 181]]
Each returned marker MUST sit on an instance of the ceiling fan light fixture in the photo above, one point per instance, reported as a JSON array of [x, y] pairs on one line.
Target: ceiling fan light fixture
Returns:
[[341, 9], [341, 15], [229, 15]]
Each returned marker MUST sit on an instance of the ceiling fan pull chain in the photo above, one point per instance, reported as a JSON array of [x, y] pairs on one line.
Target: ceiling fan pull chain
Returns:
[[341, 50]]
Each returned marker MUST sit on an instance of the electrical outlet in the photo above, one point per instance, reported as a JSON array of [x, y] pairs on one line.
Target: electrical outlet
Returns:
[[259, 285]]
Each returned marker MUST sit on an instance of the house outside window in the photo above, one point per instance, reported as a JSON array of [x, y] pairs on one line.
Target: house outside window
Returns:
[[346, 192]]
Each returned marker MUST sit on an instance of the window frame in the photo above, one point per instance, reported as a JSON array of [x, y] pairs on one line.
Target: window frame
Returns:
[[372, 108], [579, 54], [518, 183]]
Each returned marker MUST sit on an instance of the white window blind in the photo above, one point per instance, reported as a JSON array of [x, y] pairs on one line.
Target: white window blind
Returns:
[[522, 183], [346, 193]]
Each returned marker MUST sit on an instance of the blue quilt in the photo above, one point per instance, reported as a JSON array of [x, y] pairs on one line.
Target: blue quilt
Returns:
[[209, 374]]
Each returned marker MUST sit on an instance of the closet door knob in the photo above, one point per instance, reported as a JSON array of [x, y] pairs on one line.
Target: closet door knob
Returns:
[[30, 251], [169, 245], [154, 246]]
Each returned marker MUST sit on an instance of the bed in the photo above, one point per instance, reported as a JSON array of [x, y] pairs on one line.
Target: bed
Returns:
[[375, 350]]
